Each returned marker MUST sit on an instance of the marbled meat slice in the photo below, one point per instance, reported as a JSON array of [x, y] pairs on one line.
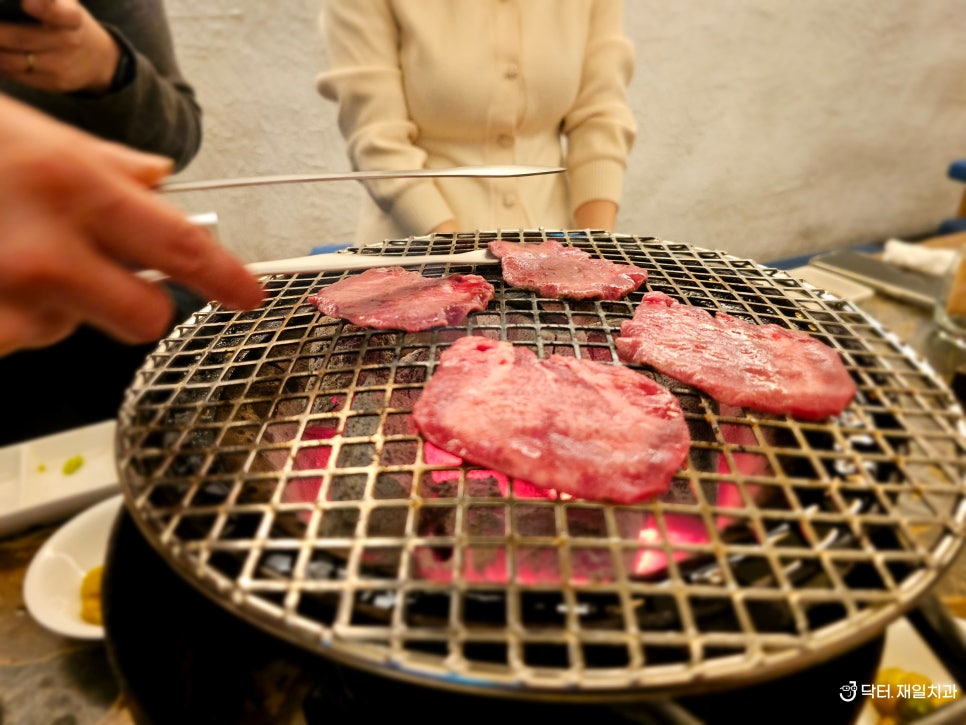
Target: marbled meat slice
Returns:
[[768, 368], [593, 430], [391, 298], [552, 270]]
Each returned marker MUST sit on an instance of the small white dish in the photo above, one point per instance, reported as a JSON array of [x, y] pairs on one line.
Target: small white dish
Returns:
[[905, 648], [48, 479], [51, 589]]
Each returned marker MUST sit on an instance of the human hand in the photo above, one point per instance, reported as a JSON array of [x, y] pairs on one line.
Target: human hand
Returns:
[[68, 52], [77, 216], [448, 227], [596, 214]]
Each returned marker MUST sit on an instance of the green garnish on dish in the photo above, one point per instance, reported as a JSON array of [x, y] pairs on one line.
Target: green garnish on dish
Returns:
[[72, 464]]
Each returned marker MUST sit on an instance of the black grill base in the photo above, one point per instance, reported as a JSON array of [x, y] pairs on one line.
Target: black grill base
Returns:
[[181, 658]]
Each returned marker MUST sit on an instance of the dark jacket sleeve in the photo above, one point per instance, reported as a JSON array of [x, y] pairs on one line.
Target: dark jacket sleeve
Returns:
[[156, 111]]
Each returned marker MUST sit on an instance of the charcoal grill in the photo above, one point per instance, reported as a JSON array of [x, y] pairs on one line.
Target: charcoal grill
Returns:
[[269, 459]]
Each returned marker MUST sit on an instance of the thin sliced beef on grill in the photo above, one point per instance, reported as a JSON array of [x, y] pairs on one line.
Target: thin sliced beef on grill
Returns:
[[553, 270], [391, 298], [767, 368], [592, 430]]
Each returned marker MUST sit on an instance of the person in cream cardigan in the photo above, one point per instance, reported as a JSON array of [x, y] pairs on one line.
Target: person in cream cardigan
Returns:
[[438, 83]]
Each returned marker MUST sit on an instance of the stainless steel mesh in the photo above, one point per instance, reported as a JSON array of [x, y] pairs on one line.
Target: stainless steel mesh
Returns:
[[269, 457]]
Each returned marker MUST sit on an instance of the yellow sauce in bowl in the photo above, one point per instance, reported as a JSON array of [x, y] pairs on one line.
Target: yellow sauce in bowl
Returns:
[[90, 593]]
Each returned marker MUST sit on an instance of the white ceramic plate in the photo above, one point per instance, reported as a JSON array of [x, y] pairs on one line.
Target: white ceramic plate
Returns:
[[48, 479], [51, 589]]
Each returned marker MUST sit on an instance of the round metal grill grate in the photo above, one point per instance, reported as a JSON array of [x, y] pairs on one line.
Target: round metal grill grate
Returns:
[[269, 457]]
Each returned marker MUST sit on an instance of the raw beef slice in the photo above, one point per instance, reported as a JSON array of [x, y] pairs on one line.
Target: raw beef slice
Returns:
[[391, 298], [593, 430], [764, 367], [552, 270]]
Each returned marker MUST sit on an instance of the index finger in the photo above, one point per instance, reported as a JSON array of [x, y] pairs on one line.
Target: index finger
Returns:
[[132, 224], [169, 242]]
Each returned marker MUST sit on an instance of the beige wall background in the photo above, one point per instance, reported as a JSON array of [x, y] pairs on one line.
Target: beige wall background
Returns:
[[767, 128]]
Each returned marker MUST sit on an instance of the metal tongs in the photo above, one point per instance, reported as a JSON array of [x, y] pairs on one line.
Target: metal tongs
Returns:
[[497, 171], [342, 261]]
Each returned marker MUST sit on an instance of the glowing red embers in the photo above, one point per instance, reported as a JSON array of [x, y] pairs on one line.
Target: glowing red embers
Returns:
[[306, 490]]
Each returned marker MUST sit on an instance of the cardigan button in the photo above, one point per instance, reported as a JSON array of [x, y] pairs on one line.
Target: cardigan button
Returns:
[[509, 200], [505, 140], [511, 72]]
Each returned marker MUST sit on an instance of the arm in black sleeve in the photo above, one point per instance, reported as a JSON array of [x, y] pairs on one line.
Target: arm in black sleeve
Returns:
[[152, 107]]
